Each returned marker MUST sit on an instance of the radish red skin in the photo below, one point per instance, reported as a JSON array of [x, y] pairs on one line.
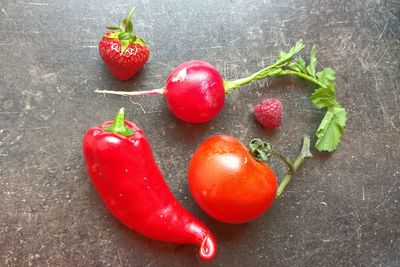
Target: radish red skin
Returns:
[[195, 91]]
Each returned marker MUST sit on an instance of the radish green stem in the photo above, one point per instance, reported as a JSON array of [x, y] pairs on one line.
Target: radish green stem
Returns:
[[302, 75], [261, 74], [268, 72], [159, 91], [271, 71], [304, 153]]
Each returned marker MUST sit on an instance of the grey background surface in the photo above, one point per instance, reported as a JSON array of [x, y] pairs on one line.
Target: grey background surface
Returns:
[[342, 209]]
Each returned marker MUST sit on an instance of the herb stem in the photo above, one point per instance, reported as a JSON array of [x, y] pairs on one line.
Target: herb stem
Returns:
[[304, 153], [302, 75], [235, 84]]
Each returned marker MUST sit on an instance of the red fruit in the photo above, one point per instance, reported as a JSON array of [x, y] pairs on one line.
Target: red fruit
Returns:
[[269, 113], [122, 51], [228, 183]]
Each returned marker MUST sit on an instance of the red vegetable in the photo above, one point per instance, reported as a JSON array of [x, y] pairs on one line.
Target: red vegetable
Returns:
[[195, 91], [233, 185], [120, 163], [228, 183]]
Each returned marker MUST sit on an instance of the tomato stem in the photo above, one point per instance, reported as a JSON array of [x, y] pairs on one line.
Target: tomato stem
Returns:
[[304, 153], [261, 151], [284, 159]]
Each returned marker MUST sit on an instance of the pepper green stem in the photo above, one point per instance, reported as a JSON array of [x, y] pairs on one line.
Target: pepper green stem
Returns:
[[119, 126], [304, 153]]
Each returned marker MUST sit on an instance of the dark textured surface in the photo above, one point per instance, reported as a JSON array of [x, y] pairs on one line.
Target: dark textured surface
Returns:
[[342, 209]]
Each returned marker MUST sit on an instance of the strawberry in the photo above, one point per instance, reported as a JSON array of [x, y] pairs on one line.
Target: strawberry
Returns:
[[269, 113], [122, 51]]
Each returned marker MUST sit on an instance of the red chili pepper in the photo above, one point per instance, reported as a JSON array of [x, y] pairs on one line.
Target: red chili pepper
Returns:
[[120, 163]]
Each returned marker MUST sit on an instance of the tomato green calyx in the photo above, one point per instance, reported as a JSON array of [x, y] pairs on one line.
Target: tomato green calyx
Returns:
[[124, 32], [304, 153], [262, 150], [119, 126]]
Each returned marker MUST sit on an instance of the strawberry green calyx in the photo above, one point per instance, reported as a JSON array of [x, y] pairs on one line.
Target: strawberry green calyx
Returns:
[[124, 32]]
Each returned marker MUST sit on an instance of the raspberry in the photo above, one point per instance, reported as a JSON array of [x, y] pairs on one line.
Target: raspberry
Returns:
[[269, 113]]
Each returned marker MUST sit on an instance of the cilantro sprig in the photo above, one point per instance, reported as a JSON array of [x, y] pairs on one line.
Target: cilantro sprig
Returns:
[[333, 124]]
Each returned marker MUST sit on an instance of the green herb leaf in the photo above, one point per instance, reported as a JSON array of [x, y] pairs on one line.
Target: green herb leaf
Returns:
[[113, 28], [293, 66], [331, 129], [121, 25], [139, 41], [284, 58], [302, 65], [124, 45], [129, 27], [313, 62], [124, 36], [326, 76], [113, 35], [325, 97], [299, 66], [130, 13]]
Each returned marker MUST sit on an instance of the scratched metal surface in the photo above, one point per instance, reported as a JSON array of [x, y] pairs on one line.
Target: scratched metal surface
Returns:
[[342, 209]]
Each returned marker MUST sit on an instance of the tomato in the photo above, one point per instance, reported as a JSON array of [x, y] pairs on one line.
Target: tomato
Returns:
[[228, 183]]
